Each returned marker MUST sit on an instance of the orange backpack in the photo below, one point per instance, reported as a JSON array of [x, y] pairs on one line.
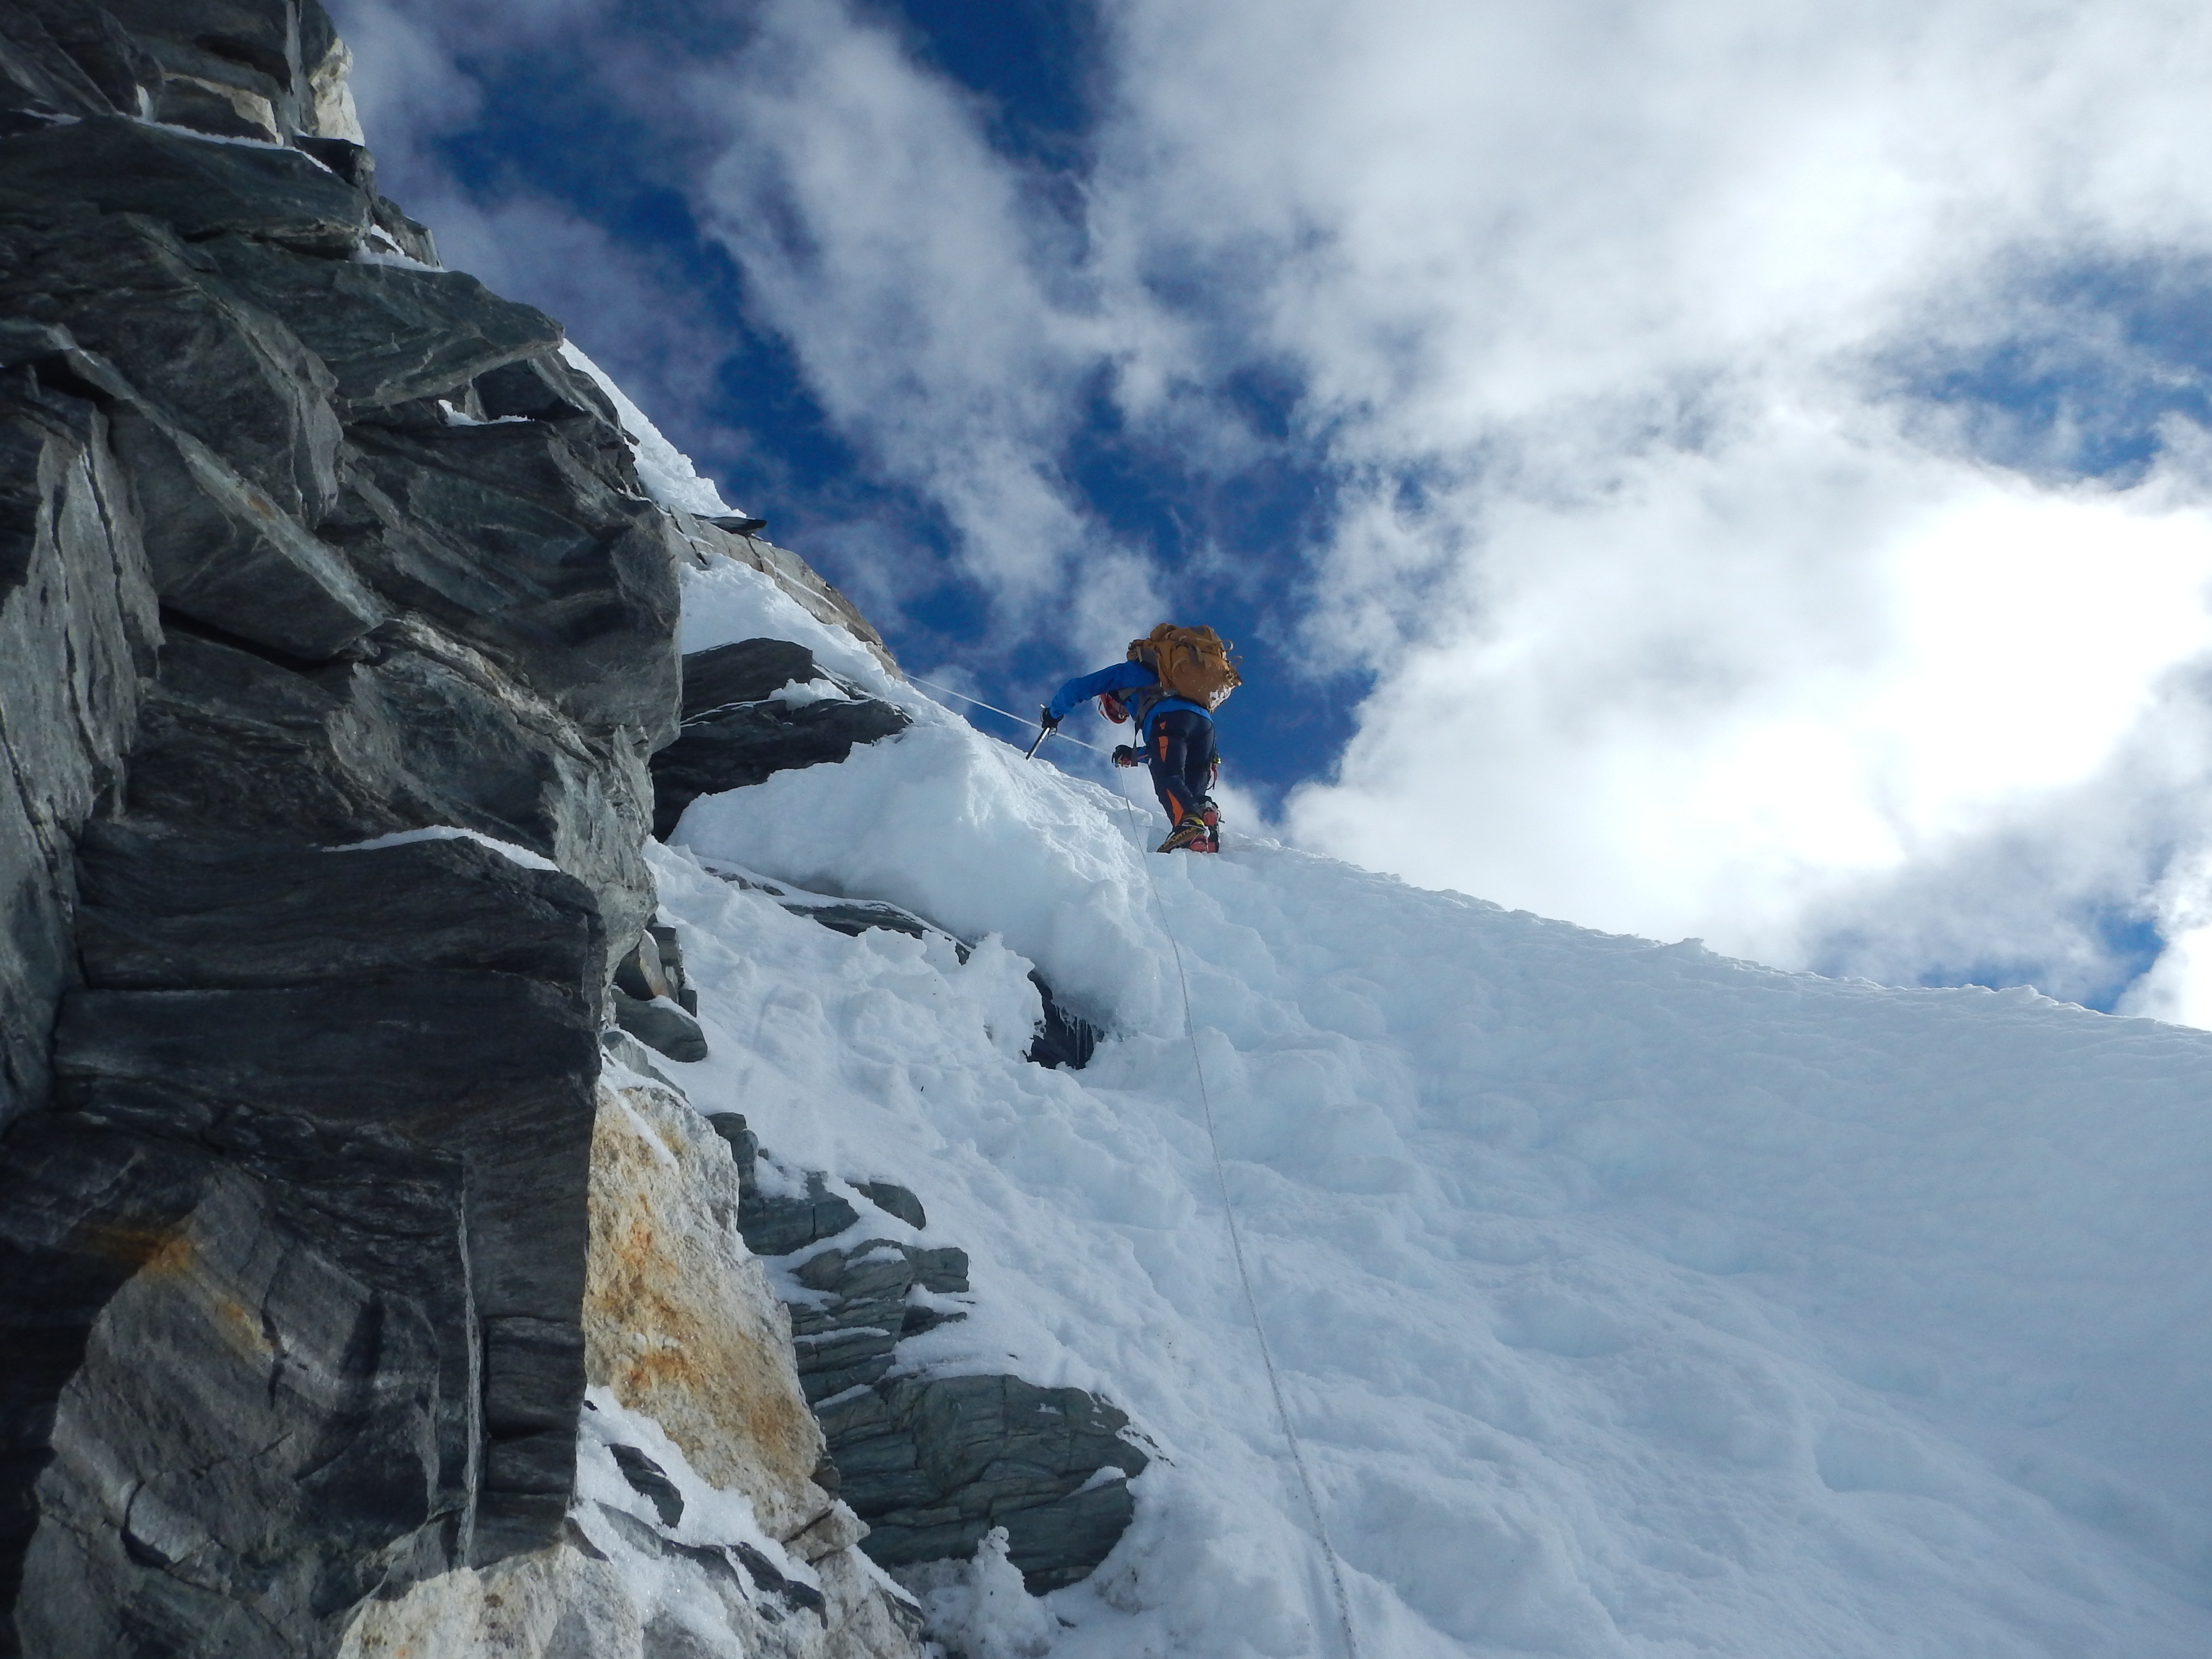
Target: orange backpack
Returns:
[[1192, 662]]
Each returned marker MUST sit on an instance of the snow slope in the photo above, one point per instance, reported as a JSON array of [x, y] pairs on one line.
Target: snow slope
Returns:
[[1630, 1300]]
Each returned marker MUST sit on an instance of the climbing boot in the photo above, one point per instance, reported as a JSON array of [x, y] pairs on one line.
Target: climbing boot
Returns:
[[1190, 833]]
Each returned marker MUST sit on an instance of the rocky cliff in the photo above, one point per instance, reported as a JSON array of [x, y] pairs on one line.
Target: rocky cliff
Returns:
[[365, 1288]]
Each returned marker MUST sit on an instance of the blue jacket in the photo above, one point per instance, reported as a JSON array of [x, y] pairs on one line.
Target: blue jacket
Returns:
[[1121, 677]]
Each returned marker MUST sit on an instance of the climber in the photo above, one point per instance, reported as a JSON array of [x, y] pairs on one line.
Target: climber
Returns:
[[1173, 679]]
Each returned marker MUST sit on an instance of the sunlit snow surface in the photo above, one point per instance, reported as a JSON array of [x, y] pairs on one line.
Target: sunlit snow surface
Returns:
[[1631, 1301]]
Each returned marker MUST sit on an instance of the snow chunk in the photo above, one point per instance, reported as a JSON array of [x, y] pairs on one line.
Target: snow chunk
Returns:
[[980, 1607], [797, 693]]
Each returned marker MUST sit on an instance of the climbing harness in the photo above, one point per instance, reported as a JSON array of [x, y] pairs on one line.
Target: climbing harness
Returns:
[[1243, 1271]]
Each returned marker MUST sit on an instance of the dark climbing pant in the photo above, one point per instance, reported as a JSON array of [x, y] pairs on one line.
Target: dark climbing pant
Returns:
[[1180, 754]]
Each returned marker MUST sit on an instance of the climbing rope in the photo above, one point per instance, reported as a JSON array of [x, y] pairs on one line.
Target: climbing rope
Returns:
[[1236, 1249], [1221, 1179], [1017, 720]]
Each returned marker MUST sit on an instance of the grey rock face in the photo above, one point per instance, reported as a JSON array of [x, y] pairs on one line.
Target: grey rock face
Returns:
[[934, 1463], [390, 335], [218, 548], [265, 48], [513, 537], [291, 1255], [848, 1338], [894, 1199], [211, 361], [417, 1148], [223, 553], [776, 1225], [735, 733], [297, 550], [313, 1438], [77, 628], [415, 733], [112, 165], [42, 81], [743, 672], [165, 910], [660, 1025]]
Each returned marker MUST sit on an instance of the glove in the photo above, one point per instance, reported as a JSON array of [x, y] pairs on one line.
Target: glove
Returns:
[[1124, 755], [1048, 719]]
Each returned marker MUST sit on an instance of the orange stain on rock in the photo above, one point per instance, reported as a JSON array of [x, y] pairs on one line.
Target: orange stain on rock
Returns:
[[679, 1320]]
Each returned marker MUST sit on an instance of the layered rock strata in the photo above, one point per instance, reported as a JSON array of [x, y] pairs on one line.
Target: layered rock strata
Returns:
[[932, 1463], [336, 633]]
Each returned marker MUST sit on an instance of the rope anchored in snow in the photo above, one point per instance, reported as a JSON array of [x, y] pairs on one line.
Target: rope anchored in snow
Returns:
[[1243, 1271], [1221, 1179]]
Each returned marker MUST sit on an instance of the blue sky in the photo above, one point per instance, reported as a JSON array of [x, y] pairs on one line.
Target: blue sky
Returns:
[[1721, 469]]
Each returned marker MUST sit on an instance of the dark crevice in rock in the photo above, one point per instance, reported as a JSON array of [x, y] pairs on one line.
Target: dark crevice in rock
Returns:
[[1065, 1038], [176, 622]]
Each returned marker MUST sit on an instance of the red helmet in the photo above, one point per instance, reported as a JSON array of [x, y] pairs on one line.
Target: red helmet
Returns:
[[1111, 706]]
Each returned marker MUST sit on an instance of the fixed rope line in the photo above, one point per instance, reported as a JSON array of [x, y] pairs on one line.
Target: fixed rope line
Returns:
[[1221, 1180], [1019, 720], [1243, 1271]]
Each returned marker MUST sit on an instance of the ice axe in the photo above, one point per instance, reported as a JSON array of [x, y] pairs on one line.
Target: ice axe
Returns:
[[1046, 726]]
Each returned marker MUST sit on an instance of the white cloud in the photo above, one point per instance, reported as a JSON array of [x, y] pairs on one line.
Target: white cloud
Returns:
[[1695, 625], [1743, 684]]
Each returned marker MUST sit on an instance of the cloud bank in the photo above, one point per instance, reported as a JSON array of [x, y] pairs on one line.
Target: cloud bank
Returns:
[[1760, 448]]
